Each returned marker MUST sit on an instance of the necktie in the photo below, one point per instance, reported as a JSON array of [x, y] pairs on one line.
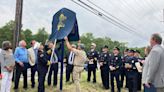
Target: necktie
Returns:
[[36, 53], [55, 58], [71, 58]]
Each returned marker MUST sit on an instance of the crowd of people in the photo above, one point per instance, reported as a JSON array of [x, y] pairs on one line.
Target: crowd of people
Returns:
[[116, 68]]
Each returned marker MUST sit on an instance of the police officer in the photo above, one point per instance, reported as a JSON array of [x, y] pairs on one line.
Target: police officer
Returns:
[[132, 72], [115, 65], [92, 62], [123, 70], [69, 61], [104, 59], [138, 56], [42, 67]]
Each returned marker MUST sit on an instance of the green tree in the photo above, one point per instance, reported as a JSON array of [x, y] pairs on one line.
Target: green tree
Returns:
[[27, 36], [88, 38], [41, 35], [6, 32]]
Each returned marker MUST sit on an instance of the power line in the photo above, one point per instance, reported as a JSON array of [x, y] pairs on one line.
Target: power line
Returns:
[[134, 18], [150, 4], [109, 14], [114, 4], [113, 16], [139, 4], [126, 28], [130, 8], [102, 14], [151, 7], [154, 5], [107, 18], [99, 15], [88, 10]]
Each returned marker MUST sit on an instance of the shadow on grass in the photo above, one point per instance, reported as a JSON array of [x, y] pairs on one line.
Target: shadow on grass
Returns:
[[70, 87]]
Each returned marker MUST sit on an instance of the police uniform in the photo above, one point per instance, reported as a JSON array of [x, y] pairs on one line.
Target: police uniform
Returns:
[[115, 73], [69, 67], [132, 73], [92, 64], [104, 59], [123, 71], [42, 70]]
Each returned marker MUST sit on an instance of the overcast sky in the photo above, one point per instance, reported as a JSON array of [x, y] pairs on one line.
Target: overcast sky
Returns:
[[143, 16]]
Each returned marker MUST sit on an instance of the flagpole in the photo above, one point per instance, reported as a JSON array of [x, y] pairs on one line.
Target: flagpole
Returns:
[[53, 49], [61, 73]]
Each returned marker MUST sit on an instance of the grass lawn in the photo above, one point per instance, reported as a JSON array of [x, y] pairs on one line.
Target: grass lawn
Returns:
[[70, 87]]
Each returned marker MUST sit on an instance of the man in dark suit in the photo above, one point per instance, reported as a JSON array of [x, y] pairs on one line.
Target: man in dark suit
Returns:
[[69, 63], [54, 65]]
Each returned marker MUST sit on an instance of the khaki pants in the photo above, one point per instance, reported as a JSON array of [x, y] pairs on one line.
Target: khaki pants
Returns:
[[160, 89], [76, 77]]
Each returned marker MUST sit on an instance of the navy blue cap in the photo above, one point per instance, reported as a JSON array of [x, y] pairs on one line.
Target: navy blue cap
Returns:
[[131, 51], [105, 46]]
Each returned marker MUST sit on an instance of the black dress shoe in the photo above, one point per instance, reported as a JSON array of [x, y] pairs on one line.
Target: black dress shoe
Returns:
[[33, 86]]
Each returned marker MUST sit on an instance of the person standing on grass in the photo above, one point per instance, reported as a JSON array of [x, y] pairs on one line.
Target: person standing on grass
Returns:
[[7, 66], [123, 70], [54, 65], [42, 68], [115, 65], [92, 62], [138, 56], [147, 51], [33, 51], [155, 65], [69, 63], [132, 72], [104, 60], [80, 59], [22, 64]]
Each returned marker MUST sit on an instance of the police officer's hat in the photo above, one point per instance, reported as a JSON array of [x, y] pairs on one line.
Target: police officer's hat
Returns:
[[131, 51], [82, 46], [93, 44], [105, 46], [116, 48], [73, 45]]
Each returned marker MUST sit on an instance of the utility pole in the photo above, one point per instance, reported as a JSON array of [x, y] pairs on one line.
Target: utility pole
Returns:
[[18, 22], [163, 17]]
